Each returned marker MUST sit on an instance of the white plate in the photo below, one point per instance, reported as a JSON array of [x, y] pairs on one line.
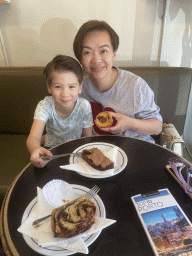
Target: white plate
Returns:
[[58, 251], [121, 161]]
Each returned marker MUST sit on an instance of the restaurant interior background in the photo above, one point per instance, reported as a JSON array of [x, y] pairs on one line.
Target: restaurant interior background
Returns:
[[152, 32]]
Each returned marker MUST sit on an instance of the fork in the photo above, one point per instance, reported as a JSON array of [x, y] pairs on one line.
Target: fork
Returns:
[[45, 158], [89, 194]]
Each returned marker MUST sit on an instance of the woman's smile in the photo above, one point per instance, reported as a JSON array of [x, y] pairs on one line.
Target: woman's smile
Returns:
[[97, 69]]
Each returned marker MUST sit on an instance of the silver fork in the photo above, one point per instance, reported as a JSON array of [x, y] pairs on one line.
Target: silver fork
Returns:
[[92, 192], [89, 194], [45, 158]]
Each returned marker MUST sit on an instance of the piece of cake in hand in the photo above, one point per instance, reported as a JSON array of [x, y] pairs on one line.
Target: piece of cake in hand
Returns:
[[96, 159], [104, 120], [73, 218]]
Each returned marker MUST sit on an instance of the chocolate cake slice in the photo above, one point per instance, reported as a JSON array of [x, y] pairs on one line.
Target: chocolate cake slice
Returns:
[[73, 218], [95, 158]]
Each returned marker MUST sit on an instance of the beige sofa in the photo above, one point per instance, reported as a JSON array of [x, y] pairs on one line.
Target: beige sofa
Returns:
[[22, 88]]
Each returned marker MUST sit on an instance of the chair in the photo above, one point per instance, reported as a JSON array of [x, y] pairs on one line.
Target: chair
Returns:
[[172, 88]]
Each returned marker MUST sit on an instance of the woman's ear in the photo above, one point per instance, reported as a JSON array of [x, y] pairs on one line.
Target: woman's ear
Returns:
[[114, 56], [80, 88]]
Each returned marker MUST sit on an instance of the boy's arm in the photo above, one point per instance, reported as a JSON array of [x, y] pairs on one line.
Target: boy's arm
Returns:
[[87, 132], [36, 132], [33, 144]]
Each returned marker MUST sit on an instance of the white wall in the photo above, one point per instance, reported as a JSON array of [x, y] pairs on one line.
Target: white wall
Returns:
[[34, 31]]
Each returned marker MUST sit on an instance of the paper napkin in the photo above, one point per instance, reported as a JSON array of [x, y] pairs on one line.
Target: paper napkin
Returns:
[[27, 229], [44, 208], [44, 234], [85, 168], [46, 238]]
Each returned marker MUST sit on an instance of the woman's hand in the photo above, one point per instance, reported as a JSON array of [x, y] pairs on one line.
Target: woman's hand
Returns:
[[143, 126], [121, 124], [36, 155]]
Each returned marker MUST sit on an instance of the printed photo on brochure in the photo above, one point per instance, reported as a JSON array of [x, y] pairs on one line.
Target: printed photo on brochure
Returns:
[[168, 228]]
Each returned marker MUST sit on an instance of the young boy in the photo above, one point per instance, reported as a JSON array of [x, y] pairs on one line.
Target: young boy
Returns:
[[124, 95], [65, 115]]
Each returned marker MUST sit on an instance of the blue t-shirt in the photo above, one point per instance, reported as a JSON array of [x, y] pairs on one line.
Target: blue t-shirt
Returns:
[[59, 130]]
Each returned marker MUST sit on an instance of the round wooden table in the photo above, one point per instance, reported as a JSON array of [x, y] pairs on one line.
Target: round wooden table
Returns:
[[144, 172]]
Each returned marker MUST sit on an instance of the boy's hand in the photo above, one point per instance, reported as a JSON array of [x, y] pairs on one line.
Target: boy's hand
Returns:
[[36, 159], [120, 126]]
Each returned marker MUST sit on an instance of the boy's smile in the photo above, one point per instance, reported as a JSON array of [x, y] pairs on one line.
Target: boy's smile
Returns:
[[98, 56], [65, 89]]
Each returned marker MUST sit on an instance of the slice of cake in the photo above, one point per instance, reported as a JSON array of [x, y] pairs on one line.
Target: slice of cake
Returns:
[[73, 218], [95, 158]]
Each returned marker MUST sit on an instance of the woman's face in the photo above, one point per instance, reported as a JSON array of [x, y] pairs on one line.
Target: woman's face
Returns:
[[98, 55]]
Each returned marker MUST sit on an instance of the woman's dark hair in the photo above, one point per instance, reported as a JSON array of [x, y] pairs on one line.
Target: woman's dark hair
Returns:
[[93, 25], [63, 63]]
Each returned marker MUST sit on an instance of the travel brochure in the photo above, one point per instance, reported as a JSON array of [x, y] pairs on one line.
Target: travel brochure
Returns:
[[167, 227]]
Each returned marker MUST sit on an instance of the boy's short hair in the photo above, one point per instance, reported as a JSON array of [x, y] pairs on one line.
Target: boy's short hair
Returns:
[[89, 26], [63, 63]]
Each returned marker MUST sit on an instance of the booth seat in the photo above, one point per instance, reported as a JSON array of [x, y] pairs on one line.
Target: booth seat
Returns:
[[23, 87]]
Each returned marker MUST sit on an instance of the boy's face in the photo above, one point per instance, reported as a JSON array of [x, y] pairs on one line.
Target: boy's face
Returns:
[[65, 89], [97, 55]]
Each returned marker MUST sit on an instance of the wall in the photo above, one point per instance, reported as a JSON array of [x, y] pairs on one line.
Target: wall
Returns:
[[34, 31]]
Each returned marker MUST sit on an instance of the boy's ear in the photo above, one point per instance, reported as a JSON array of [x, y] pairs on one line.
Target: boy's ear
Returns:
[[49, 88]]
